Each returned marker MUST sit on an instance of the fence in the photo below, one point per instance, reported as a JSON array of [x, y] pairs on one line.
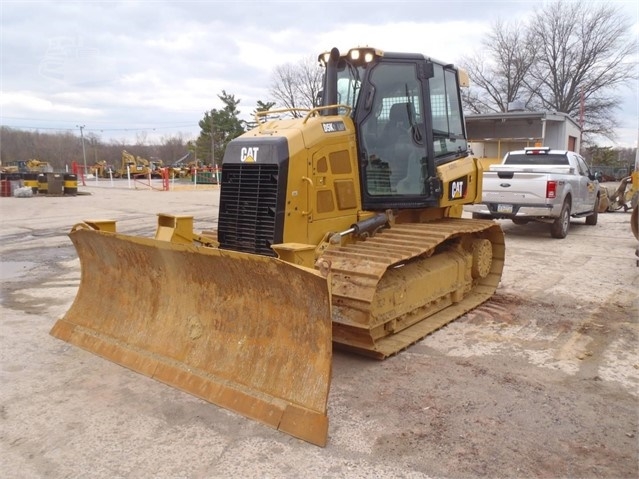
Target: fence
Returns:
[[168, 181], [613, 173]]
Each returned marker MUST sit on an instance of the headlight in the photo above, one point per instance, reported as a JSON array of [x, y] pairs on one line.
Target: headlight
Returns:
[[363, 55]]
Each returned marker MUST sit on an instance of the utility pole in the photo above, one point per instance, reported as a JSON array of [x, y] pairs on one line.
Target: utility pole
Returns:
[[84, 153]]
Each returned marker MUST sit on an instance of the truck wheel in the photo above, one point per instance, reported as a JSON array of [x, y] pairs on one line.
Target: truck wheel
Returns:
[[520, 221], [559, 228], [591, 220]]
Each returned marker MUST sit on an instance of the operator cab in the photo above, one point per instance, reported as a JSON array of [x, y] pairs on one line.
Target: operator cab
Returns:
[[408, 117]]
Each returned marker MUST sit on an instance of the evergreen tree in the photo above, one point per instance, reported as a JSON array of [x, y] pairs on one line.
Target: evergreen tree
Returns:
[[260, 107], [224, 124]]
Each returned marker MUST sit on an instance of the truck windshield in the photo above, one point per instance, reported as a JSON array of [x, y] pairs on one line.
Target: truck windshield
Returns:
[[522, 159]]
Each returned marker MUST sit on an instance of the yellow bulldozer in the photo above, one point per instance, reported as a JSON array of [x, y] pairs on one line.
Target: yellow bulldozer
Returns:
[[28, 166], [338, 226]]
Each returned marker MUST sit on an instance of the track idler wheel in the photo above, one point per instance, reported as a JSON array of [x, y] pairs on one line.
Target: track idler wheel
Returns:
[[482, 251]]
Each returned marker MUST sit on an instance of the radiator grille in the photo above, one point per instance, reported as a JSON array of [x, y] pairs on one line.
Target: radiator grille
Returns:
[[248, 208]]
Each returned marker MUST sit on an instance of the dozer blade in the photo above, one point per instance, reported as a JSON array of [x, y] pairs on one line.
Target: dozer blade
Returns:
[[248, 333]]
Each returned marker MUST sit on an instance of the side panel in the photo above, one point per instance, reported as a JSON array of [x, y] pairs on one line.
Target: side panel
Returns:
[[334, 191]]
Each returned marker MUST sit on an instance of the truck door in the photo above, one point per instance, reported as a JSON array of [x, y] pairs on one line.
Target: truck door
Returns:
[[587, 187]]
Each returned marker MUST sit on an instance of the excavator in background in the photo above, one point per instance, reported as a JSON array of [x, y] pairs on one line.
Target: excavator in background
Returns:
[[625, 196], [634, 202], [337, 226], [102, 170], [184, 167], [156, 166], [131, 165], [138, 166]]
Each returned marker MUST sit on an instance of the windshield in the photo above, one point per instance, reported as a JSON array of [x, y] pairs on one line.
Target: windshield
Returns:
[[546, 159]]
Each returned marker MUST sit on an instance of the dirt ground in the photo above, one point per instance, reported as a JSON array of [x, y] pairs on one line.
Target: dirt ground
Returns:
[[541, 381]]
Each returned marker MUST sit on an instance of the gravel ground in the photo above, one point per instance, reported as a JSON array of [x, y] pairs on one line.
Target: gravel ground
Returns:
[[540, 381]]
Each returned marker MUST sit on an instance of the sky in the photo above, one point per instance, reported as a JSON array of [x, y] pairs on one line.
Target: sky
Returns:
[[144, 71]]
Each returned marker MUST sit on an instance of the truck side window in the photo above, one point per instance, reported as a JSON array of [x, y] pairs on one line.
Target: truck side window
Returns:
[[583, 168]]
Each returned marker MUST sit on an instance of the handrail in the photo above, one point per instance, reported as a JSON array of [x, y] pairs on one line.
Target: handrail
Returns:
[[309, 112]]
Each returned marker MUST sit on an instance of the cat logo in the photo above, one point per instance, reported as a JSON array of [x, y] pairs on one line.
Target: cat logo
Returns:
[[249, 155], [457, 188]]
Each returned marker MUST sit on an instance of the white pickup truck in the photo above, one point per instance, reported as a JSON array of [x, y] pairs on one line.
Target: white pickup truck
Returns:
[[540, 184]]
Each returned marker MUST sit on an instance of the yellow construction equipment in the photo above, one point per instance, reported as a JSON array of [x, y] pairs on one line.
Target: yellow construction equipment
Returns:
[[626, 195], [138, 166], [38, 166], [28, 166], [339, 225], [101, 169]]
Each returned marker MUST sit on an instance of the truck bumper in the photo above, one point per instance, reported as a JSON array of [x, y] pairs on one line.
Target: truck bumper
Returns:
[[518, 211]]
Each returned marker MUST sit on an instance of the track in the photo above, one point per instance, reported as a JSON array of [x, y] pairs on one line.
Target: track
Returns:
[[410, 280]]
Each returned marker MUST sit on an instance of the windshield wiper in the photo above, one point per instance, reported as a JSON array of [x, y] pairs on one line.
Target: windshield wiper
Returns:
[[415, 133]]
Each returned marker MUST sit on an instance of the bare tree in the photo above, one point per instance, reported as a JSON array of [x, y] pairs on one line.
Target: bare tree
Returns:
[[311, 75], [141, 138], [63, 148], [499, 77], [172, 148], [570, 58], [297, 85], [584, 53]]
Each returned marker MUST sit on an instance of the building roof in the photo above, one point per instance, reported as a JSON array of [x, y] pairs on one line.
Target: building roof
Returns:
[[521, 115]]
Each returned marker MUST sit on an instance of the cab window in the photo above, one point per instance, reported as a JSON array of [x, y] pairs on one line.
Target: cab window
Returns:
[[447, 120]]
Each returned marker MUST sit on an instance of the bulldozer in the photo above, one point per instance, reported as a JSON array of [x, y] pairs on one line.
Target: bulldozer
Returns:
[[338, 226], [28, 166]]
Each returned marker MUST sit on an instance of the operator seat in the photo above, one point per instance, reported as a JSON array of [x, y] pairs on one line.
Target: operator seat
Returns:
[[396, 140], [398, 123]]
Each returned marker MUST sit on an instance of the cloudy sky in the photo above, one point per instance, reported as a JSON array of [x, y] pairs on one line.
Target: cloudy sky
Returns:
[[150, 69]]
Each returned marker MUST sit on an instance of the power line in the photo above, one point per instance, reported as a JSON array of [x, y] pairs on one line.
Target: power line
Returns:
[[2, 117], [131, 129]]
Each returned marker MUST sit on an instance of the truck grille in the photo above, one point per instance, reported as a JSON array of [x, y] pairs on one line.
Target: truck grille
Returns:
[[248, 208]]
